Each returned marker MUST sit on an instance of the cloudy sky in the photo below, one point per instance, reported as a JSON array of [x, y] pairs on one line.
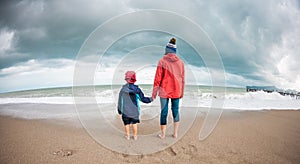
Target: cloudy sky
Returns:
[[258, 41]]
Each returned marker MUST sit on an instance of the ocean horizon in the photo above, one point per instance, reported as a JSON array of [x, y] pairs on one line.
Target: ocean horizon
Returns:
[[59, 102]]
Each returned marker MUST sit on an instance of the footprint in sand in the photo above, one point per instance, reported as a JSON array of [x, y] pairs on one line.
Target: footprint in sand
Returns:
[[63, 153], [173, 151]]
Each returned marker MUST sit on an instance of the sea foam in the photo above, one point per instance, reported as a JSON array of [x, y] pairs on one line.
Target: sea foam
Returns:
[[239, 100]]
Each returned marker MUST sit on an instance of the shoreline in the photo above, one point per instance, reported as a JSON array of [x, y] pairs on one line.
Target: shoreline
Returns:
[[266, 136]]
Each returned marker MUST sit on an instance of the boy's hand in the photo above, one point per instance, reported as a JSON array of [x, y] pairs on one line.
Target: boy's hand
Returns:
[[153, 98]]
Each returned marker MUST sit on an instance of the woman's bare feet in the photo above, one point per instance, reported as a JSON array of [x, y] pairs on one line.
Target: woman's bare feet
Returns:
[[161, 136], [174, 135]]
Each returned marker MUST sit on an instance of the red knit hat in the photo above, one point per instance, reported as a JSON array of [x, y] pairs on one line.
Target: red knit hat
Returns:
[[130, 77]]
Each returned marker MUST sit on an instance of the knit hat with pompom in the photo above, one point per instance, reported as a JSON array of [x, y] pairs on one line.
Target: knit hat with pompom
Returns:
[[171, 46]]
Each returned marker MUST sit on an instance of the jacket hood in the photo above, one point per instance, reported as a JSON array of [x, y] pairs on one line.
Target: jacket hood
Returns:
[[130, 88], [171, 57]]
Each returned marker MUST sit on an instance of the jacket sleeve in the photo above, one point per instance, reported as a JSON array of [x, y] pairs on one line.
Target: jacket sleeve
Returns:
[[183, 80], [143, 98], [157, 79], [120, 103]]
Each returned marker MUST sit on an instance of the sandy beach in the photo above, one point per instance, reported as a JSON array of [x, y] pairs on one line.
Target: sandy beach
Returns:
[[240, 137]]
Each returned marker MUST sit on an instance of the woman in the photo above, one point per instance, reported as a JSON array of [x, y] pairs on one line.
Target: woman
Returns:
[[169, 84]]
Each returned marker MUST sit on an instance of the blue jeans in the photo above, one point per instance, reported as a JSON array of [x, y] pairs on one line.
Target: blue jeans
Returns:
[[164, 110]]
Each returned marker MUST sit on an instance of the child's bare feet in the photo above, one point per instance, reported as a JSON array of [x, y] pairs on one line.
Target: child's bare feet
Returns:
[[174, 135], [135, 137], [161, 136], [127, 137]]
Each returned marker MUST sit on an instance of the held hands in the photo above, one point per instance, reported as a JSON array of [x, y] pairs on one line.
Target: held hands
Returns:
[[154, 94], [151, 99]]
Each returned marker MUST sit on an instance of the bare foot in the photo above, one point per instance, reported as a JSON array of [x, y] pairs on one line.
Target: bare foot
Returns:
[[127, 137], [161, 136], [174, 135], [135, 137]]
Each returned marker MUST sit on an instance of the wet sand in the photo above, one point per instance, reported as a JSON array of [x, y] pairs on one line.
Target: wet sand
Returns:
[[239, 137]]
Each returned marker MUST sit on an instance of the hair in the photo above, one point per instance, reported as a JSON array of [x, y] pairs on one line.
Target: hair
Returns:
[[173, 41]]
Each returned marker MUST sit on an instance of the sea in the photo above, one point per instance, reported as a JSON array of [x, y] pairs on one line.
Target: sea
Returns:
[[55, 103]]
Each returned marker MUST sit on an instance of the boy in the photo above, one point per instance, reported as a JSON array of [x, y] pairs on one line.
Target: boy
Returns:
[[128, 105]]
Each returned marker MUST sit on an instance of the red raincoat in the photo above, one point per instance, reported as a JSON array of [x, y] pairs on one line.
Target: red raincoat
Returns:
[[169, 77]]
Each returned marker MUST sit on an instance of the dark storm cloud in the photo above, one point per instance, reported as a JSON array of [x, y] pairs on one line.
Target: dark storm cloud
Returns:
[[52, 29], [257, 40]]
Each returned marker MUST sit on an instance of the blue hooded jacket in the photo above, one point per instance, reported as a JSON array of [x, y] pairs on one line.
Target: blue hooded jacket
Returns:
[[128, 104]]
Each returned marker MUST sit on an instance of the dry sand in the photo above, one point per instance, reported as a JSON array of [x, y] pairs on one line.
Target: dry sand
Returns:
[[240, 137]]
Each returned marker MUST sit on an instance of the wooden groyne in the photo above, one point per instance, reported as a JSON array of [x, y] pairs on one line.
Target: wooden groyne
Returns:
[[271, 89]]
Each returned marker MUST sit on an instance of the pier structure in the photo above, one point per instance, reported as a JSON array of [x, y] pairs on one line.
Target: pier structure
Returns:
[[271, 89]]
